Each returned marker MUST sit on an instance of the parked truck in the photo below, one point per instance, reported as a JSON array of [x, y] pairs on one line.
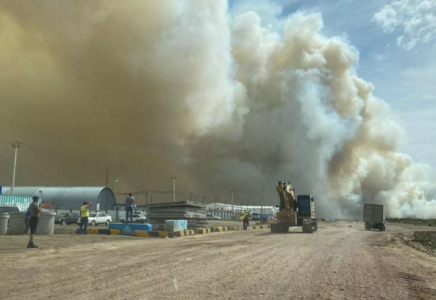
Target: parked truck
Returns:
[[373, 216]]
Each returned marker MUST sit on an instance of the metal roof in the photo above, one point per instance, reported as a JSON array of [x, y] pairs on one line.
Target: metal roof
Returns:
[[72, 197]]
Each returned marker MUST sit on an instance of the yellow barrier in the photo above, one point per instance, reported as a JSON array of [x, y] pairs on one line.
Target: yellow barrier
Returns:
[[141, 233], [163, 234]]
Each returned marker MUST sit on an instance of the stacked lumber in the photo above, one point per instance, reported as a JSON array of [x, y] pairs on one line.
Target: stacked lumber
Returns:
[[194, 213]]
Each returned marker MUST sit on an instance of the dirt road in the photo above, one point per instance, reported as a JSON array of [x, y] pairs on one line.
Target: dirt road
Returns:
[[337, 262]]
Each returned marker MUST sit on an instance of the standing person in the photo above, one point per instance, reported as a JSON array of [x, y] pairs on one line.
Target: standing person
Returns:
[[129, 207], [33, 221], [84, 214], [246, 220], [26, 220]]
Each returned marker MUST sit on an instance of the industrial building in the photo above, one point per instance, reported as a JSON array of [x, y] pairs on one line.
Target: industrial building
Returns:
[[67, 198]]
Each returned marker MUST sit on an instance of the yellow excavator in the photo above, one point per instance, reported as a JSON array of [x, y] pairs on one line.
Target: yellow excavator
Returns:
[[299, 211]]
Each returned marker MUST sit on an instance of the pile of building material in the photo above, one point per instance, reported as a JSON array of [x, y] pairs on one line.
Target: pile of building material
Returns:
[[194, 213]]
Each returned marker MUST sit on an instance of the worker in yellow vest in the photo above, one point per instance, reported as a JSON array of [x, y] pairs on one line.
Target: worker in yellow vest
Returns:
[[84, 214]]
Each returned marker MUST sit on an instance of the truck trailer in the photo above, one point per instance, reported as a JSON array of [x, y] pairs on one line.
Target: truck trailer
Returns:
[[373, 216]]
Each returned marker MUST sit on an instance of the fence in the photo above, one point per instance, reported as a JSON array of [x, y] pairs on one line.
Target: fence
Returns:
[[234, 214], [20, 201], [115, 214]]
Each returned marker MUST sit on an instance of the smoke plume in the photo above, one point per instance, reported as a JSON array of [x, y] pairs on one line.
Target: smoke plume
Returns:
[[152, 89]]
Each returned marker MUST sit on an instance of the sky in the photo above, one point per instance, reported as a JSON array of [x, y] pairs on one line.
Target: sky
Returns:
[[402, 72], [335, 97]]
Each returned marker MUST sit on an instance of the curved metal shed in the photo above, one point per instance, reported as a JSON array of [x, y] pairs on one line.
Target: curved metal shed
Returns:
[[102, 198]]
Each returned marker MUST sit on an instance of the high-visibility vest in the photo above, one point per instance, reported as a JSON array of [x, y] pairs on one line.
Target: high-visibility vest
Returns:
[[84, 212]]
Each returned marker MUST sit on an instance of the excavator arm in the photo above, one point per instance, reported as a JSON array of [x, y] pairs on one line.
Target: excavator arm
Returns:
[[287, 198]]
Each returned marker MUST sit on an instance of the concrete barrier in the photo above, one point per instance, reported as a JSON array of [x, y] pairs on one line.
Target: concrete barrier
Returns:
[[115, 231], [217, 229], [141, 233], [189, 232], [163, 234], [92, 231]]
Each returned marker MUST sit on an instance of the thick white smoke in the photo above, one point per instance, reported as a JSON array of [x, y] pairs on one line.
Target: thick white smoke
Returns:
[[158, 88]]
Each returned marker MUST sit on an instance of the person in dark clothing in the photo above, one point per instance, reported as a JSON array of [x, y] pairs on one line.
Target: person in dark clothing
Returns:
[[26, 221], [33, 221], [129, 207], [246, 221]]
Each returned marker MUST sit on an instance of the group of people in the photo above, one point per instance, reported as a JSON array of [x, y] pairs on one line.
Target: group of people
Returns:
[[33, 211]]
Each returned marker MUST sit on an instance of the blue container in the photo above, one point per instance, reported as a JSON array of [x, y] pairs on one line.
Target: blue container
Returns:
[[130, 227], [119, 226], [176, 225], [147, 227]]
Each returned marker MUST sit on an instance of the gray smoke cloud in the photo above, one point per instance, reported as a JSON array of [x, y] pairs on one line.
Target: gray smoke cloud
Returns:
[[156, 88]]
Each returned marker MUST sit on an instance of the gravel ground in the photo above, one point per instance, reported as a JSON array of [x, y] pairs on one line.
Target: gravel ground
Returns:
[[337, 262]]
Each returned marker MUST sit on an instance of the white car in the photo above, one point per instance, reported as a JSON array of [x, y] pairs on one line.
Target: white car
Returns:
[[137, 218], [98, 218], [212, 217]]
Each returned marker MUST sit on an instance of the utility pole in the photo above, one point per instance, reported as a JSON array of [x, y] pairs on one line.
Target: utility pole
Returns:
[[190, 196], [151, 198], [261, 207], [146, 197], [203, 199], [15, 145], [233, 207], [107, 175], [174, 188]]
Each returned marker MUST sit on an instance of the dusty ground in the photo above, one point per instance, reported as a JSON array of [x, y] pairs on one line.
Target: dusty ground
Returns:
[[337, 262]]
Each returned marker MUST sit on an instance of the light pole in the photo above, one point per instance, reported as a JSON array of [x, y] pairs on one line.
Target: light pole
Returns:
[[15, 145], [174, 188]]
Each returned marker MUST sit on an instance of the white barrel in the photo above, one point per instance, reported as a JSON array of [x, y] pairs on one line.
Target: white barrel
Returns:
[[46, 223], [16, 222], [4, 217]]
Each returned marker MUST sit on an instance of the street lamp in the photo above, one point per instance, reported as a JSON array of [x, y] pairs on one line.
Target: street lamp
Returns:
[[15, 145], [115, 186]]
